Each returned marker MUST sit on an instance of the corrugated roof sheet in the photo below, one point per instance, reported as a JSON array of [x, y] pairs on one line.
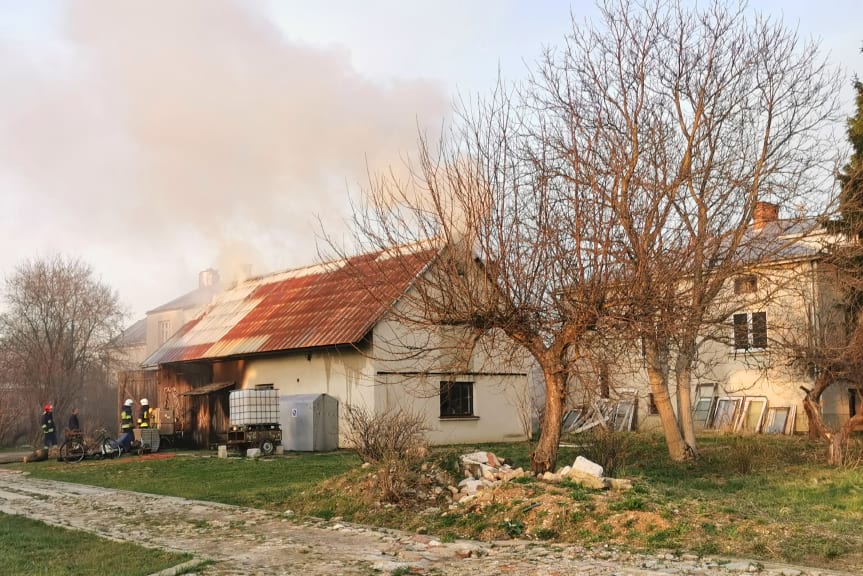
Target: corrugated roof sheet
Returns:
[[327, 304]]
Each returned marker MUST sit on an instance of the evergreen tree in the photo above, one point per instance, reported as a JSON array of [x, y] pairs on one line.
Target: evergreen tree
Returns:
[[851, 177]]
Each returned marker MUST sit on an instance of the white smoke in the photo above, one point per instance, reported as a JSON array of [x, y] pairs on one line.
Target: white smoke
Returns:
[[164, 137]]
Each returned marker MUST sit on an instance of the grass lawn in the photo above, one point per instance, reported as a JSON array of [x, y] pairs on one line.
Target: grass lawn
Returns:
[[30, 548], [760, 497]]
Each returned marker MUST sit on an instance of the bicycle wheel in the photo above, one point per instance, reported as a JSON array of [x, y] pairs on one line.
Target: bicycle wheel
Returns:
[[72, 451], [110, 448]]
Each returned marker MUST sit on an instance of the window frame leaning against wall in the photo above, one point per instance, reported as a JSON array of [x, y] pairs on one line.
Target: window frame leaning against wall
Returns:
[[456, 399], [751, 327]]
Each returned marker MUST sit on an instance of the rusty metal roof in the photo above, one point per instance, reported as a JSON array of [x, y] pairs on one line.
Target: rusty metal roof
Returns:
[[328, 304]]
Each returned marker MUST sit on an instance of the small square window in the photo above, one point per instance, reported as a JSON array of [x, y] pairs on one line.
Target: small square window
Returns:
[[456, 399], [747, 284]]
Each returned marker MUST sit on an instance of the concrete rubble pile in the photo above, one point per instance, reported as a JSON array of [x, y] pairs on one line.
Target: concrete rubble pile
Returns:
[[485, 470]]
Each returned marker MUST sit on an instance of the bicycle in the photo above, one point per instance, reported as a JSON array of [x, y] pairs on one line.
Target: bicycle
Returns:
[[76, 448]]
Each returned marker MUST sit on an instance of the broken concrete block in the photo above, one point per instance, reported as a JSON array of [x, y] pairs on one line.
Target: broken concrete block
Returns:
[[470, 485], [588, 480], [512, 474], [588, 467], [619, 484]]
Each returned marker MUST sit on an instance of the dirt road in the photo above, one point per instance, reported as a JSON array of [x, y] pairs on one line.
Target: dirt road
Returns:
[[246, 541]]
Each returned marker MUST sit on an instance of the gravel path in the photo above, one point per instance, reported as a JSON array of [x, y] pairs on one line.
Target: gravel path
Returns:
[[247, 541]]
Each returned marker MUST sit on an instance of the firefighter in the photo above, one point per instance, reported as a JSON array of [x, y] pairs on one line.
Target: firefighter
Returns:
[[125, 439], [48, 427], [146, 419]]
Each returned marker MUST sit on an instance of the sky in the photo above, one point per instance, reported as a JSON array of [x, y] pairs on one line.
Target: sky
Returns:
[[153, 140]]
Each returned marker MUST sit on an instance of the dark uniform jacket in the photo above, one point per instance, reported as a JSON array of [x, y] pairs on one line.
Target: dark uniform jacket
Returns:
[[126, 419]]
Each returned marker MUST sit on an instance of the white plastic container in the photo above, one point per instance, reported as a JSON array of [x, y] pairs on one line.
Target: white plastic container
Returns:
[[249, 407]]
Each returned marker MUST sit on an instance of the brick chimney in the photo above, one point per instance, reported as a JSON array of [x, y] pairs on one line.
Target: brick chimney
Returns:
[[765, 213]]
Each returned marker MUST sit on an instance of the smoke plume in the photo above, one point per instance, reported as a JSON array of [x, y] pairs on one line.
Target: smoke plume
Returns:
[[160, 138]]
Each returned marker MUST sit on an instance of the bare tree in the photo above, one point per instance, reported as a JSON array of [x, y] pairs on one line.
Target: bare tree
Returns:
[[682, 121], [609, 199], [522, 251], [55, 330]]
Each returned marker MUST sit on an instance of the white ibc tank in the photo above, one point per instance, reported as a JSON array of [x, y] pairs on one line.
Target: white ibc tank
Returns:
[[253, 407]]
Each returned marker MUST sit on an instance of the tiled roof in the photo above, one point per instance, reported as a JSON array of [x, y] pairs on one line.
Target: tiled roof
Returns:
[[328, 304], [784, 240]]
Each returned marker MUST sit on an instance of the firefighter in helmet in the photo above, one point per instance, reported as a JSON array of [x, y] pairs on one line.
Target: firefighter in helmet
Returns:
[[125, 439], [48, 427], [146, 419]]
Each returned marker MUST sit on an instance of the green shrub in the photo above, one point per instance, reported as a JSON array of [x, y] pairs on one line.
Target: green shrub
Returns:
[[545, 534], [512, 528], [628, 502]]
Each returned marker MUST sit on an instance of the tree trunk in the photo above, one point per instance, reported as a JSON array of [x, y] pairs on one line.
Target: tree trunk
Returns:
[[684, 402], [544, 458], [838, 452], [657, 373], [837, 441], [812, 407]]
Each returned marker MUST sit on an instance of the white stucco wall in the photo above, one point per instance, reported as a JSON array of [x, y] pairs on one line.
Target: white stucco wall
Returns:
[[501, 409], [799, 299], [349, 376]]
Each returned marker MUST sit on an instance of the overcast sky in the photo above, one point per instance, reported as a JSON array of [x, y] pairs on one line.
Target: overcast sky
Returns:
[[156, 139]]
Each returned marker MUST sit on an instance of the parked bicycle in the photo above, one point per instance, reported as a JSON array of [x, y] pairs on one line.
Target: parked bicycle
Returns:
[[76, 447]]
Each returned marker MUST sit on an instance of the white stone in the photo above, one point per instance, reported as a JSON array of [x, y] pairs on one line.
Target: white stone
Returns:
[[280, 450], [223, 451], [586, 466], [469, 485], [253, 453]]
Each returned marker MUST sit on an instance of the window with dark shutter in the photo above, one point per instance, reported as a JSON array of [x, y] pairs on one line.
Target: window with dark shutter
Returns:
[[741, 331], [750, 331], [759, 329]]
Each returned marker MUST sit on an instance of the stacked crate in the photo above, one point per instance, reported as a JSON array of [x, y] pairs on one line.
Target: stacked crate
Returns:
[[252, 407]]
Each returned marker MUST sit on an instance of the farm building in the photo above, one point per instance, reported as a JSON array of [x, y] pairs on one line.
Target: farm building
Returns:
[[334, 328]]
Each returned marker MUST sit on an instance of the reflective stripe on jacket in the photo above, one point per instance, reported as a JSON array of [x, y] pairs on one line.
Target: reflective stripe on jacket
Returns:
[[146, 415], [126, 418], [47, 422]]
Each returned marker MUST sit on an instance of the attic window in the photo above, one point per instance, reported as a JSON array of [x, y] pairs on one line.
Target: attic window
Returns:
[[747, 284]]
